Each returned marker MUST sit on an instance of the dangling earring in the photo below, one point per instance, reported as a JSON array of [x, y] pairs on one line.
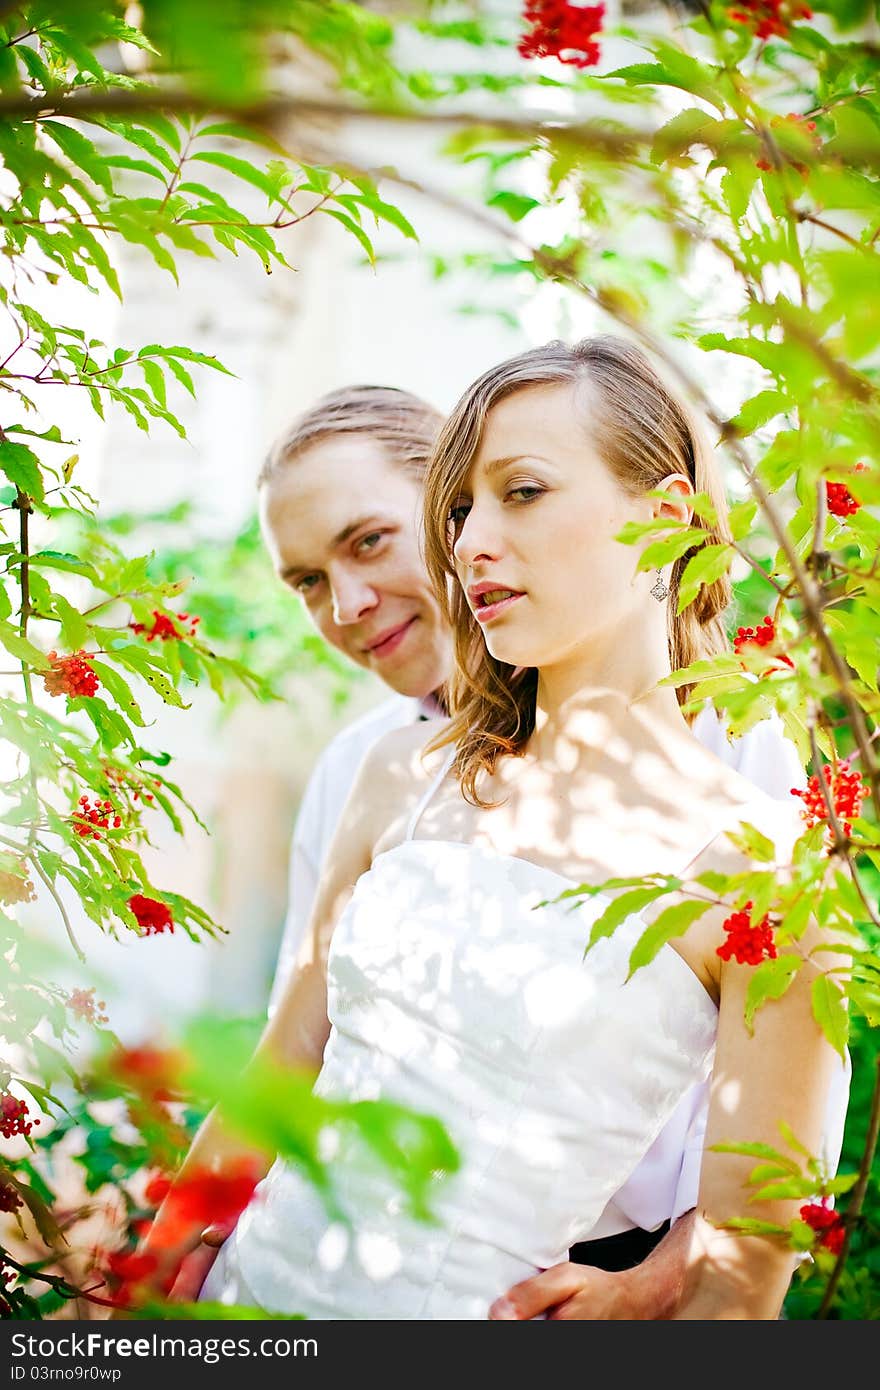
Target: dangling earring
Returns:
[[660, 589]]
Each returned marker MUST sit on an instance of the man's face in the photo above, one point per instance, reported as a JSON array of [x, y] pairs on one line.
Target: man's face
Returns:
[[341, 522]]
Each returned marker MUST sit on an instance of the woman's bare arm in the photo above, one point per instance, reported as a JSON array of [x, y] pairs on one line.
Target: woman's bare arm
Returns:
[[782, 1072]]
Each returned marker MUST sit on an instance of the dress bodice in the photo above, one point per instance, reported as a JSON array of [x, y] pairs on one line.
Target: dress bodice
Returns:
[[452, 992]]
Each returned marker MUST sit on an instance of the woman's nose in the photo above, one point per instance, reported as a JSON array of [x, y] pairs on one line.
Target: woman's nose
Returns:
[[477, 540]]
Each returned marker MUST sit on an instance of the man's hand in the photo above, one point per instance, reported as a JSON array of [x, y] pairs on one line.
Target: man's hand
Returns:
[[650, 1291], [195, 1266], [568, 1291]]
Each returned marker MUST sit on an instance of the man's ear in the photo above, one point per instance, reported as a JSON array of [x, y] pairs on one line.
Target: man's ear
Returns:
[[678, 490]]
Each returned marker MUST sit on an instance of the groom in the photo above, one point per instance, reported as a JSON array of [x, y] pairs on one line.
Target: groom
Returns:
[[340, 503]]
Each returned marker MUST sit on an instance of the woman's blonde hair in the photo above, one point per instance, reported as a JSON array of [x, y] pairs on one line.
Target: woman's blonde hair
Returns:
[[643, 433], [404, 425]]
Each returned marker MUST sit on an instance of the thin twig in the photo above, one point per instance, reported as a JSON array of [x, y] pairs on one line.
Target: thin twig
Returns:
[[38, 869], [857, 1199]]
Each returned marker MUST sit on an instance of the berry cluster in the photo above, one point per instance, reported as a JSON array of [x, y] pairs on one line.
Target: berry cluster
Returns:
[[71, 675], [826, 1223], [164, 627], [840, 500], [16, 888], [12, 1116], [846, 792], [7, 1274], [562, 30], [153, 916], [82, 1003], [94, 815], [9, 1198], [764, 635], [747, 944], [152, 1071], [127, 784], [799, 123], [769, 18], [129, 1270]]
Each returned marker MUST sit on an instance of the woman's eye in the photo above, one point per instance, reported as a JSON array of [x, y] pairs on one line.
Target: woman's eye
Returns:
[[526, 493], [455, 520]]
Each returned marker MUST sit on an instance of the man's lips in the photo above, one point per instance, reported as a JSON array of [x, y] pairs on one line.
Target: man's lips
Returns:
[[389, 640]]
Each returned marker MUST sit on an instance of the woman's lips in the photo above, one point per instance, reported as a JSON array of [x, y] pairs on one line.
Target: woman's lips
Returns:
[[392, 642], [485, 612]]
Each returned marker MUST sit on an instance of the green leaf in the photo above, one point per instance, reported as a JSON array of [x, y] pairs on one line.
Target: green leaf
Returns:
[[138, 166], [759, 410], [118, 687], [753, 843], [356, 231], [829, 1010], [707, 566], [80, 151], [74, 627], [621, 907], [786, 1188], [137, 660], [770, 980], [679, 134], [516, 206], [22, 467], [62, 560], [671, 548], [21, 648], [671, 922], [242, 169], [740, 520]]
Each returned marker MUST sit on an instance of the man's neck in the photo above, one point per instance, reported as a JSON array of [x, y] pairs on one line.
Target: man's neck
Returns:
[[432, 706]]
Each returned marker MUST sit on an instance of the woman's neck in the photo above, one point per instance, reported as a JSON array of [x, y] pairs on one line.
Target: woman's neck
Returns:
[[586, 707]]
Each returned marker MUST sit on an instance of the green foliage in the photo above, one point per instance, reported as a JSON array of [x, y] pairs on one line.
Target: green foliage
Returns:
[[716, 152], [96, 636]]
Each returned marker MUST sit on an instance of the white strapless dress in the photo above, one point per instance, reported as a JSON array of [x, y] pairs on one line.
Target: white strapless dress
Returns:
[[451, 994]]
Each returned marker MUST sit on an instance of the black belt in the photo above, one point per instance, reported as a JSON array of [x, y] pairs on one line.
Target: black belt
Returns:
[[618, 1252]]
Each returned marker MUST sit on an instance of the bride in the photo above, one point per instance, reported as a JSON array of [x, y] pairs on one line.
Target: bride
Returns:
[[439, 972]]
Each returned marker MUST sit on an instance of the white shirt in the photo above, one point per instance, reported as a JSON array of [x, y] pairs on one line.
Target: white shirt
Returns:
[[666, 1182]]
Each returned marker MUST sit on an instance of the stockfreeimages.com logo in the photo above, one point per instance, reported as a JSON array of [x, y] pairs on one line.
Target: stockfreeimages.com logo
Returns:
[[97, 1344]]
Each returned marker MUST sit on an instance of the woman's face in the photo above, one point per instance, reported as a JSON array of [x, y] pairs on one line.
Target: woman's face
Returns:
[[534, 528]]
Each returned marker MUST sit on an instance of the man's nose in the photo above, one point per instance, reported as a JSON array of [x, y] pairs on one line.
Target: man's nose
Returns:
[[352, 598]]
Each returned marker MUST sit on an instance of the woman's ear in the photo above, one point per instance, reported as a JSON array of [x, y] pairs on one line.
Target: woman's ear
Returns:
[[678, 490]]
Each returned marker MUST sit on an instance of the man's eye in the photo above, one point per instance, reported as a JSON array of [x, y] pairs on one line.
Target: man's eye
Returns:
[[369, 542], [306, 584]]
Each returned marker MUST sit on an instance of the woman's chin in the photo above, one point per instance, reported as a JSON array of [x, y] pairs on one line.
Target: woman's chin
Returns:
[[511, 653]]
